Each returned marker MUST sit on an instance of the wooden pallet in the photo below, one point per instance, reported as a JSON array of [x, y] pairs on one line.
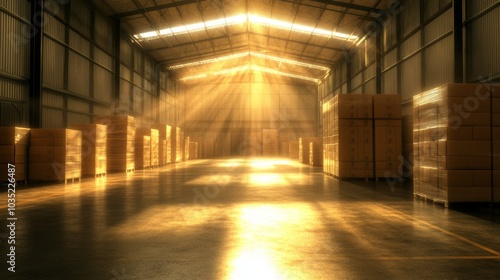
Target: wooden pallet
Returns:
[[431, 199]]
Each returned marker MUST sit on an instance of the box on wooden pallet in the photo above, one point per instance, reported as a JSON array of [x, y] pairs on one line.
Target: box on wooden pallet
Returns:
[[304, 152], [193, 150], [316, 153], [57, 162], [142, 151], [453, 138], [176, 154], [94, 143], [14, 143], [162, 135], [293, 150], [187, 140], [120, 146], [155, 148]]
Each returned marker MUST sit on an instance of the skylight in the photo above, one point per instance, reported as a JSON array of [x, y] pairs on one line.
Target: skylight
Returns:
[[254, 54], [241, 19]]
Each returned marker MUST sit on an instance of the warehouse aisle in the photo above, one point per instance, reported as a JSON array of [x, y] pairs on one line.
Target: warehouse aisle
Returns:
[[243, 219]]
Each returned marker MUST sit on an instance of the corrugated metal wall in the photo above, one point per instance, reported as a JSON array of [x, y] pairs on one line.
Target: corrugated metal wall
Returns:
[[483, 40], [14, 62]]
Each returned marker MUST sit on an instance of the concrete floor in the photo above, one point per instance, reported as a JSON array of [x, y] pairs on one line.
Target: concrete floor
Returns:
[[244, 219]]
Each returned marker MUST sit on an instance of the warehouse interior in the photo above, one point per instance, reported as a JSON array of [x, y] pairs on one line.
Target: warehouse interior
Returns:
[[237, 139]]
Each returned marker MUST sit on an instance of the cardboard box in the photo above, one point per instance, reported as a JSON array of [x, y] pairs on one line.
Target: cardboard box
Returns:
[[464, 148], [14, 135], [466, 194], [467, 163]]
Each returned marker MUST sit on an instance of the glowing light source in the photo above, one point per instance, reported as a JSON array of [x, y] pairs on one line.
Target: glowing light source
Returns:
[[240, 19], [246, 68], [254, 54]]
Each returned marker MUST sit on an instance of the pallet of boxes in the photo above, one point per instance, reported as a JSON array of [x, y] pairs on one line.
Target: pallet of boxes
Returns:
[[14, 143], [304, 149], [94, 141], [143, 148], [452, 144], [120, 147], [55, 155], [362, 136]]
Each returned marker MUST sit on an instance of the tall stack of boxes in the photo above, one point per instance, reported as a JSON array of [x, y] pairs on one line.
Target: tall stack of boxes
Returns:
[[270, 140], [316, 153], [388, 135], [162, 143], [169, 142], [55, 154], [143, 148], [155, 148], [186, 147], [452, 143], [304, 149], [93, 149], [193, 150], [293, 150], [176, 145], [362, 136], [120, 148], [14, 143], [349, 136]]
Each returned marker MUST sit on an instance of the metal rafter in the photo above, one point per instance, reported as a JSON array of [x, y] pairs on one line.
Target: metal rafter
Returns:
[[156, 8], [325, 8], [349, 5]]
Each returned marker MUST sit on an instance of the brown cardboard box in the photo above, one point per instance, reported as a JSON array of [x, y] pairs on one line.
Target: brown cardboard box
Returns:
[[14, 135], [464, 148], [293, 150], [467, 162], [467, 194]]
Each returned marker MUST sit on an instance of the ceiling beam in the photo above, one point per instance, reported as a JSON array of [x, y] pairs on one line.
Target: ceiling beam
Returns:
[[155, 8], [349, 5], [360, 16], [241, 34]]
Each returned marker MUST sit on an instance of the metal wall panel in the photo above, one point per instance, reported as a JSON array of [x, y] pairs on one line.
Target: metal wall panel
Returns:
[[370, 72], [439, 64], [75, 118], [483, 38], [14, 45], [52, 99], [78, 105], [410, 16], [13, 113], [78, 74], [431, 7], [54, 28], [103, 33], [389, 33], [80, 17], [52, 118], [103, 59], [126, 53], [12, 90], [138, 100], [411, 45], [370, 87], [18, 7], [390, 59], [411, 77], [101, 110], [125, 96], [78, 43], [474, 7], [439, 26], [53, 63], [390, 81], [357, 81], [126, 73], [103, 84]]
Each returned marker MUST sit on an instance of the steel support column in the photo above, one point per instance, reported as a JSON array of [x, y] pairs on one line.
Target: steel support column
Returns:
[[36, 47], [458, 41]]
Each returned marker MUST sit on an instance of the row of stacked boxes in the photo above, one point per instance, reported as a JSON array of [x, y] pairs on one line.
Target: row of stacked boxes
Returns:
[[111, 144], [362, 136], [454, 144], [309, 150]]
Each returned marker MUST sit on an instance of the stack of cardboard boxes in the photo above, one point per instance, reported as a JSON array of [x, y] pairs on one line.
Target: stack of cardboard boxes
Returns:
[[362, 136], [162, 143], [388, 135], [168, 138], [155, 148], [316, 153], [293, 150], [55, 154], [143, 148], [14, 143], [193, 150], [452, 143], [270, 140], [304, 149], [93, 149], [176, 145], [187, 141], [120, 142]]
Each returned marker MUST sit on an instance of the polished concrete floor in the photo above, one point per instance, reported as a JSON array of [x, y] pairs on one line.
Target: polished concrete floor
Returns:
[[244, 219]]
